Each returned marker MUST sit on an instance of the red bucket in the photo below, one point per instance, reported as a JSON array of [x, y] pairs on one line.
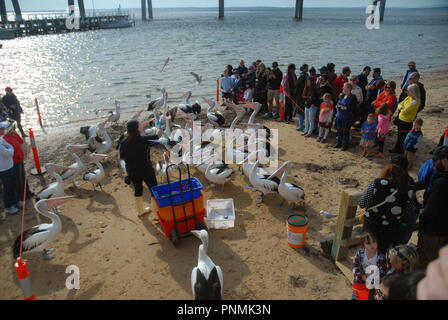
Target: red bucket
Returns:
[[361, 291]]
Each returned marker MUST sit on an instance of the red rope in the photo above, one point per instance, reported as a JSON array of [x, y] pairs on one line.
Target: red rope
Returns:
[[24, 199]]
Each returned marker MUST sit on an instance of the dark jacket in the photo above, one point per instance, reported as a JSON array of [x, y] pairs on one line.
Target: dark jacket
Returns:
[[412, 141], [11, 100], [435, 215], [274, 84], [319, 93], [404, 95], [136, 155], [350, 104]]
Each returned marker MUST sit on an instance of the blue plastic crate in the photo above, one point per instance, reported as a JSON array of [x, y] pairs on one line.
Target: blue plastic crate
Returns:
[[162, 192]]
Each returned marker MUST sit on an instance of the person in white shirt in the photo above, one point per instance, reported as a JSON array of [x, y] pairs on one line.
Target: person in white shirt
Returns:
[[248, 93], [7, 176]]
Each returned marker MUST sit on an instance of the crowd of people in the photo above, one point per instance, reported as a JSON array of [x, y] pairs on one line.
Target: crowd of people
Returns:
[[348, 102]]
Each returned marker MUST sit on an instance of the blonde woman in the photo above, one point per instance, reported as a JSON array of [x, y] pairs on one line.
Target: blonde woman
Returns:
[[407, 112]]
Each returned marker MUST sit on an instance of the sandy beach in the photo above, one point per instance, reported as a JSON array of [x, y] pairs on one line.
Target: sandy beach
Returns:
[[122, 256]]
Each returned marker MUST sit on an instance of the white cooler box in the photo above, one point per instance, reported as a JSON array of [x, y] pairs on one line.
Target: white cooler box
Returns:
[[220, 214]]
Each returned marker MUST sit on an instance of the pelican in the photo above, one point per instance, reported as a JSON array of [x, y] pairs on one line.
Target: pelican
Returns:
[[106, 145], [216, 117], [197, 78], [55, 189], [75, 169], [206, 277], [288, 191], [91, 136], [261, 173], [264, 185], [251, 123], [218, 175], [39, 237], [159, 102], [97, 176], [189, 108], [162, 166], [115, 116]]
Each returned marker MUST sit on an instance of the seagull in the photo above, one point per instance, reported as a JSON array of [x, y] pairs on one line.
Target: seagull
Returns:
[[197, 77], [166, 63], [327, 215]]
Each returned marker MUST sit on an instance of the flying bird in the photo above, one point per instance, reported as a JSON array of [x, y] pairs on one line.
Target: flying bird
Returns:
[[197, 77], [166, 63]]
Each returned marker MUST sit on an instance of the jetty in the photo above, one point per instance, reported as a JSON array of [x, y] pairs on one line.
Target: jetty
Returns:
[[39, 24]]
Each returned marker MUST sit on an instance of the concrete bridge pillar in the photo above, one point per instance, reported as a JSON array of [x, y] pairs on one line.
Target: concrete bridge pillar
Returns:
[[299, 10], [82, 9], [150, 10], [143, 10], [17, 10], [221, 9]]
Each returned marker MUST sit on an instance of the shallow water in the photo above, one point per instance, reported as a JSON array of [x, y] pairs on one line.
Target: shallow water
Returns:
[[77, 76]]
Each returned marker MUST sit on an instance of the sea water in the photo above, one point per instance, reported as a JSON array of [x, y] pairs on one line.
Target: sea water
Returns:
[[77, 76]]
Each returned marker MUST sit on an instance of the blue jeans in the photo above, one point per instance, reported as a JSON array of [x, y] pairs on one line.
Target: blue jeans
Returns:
[[343, 126], [301, 119], [407, 226], [9, 187], [310, 114]]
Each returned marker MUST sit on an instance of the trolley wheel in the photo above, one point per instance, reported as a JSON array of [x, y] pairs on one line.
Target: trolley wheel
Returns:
[[202, 226], [174, 238]]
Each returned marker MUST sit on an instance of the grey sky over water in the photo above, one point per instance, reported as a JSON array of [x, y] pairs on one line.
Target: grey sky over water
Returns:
[[33, 5]]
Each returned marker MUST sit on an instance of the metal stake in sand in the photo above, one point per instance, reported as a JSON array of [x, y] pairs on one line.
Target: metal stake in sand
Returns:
[[38, 115], [38, 170]]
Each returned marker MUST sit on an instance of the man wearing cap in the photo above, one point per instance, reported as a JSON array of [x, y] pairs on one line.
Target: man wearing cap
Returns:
[[242, 70], [7, 176], [433, 229], [13, 105], [411, 69], [274, 81], [135, 151], [363, 79]]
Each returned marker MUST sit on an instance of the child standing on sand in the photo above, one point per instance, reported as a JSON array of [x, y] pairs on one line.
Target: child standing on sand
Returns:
[[412, 141], [367, 256], [368, 132], [382, 128], [325, 117]]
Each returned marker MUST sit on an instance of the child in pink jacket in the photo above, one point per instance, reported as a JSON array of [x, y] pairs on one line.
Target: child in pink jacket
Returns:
[[382, 128]]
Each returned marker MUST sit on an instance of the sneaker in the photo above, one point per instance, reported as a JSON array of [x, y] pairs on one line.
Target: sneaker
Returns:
[[267, 115], [344, 148], [319, 139], [337, 145], [323, 140], [299, 129], [19, 204], [11, 210], [276, 116]]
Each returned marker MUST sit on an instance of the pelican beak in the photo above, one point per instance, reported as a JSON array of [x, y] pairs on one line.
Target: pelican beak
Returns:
[[99, 157], [79, 146], [54, 202], [278, 171], [196, 233]]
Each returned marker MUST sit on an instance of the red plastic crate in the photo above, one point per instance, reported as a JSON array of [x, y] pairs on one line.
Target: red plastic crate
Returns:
[[167, 226]]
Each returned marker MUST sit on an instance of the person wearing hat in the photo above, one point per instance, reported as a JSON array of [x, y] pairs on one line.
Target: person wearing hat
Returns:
[[433, 227], [274, 81], [13, 106], [16, 142], [135, 151], [7, 176]]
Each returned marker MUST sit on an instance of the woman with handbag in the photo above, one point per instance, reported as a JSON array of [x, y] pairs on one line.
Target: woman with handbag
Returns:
[[407, 112], [386, 199]]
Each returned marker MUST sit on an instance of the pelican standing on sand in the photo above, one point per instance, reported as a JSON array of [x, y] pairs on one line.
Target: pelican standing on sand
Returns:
[[206, 277], [288, 191], [114, 116], [55, 189], [216, 117], [106, 145], [96, 177], [75, 169], [39, 237], [264, 185], [218, 175]]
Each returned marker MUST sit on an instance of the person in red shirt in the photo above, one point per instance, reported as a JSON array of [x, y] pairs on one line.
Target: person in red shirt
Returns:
[[341, 80], [16, 141], [387, 96]]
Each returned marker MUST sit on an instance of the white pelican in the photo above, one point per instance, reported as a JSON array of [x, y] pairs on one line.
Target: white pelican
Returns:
[[55, 189], [114, 116], [106, 145], [264, 185], [161, 166], [288, 191], [96, 177], [206, 277], [251, 123], [39, 237], [75, 169], [216, 117], [218, 175]]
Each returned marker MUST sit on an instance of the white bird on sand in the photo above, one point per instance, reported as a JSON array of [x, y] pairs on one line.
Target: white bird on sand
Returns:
[[218, 175], [206, 278], [327, 215], [55, 189], [97, 176], [264, 185], [39, 237], [288, 191], [216, 117], [114, 116], [197, 77], [76, 168], [106, 145]]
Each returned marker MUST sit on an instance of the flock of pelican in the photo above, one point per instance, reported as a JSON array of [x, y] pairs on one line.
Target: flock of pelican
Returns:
[[206, 277]]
